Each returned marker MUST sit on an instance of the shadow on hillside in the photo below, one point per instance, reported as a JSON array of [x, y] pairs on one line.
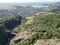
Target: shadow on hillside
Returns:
[[11, 24]]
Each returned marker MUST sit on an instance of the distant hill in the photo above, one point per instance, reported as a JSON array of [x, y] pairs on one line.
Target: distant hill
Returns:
[[26, 4]]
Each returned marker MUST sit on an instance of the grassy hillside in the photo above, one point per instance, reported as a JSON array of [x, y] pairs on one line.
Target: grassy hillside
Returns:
[[44, 25]]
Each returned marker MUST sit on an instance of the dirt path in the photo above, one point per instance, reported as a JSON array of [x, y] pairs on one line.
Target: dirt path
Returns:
[[47, 42]]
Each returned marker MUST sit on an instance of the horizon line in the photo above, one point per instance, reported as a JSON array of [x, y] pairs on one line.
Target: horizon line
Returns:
[[29, 2]]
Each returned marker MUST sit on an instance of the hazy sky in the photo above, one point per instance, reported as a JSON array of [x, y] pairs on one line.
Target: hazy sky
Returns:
[[21, 1]]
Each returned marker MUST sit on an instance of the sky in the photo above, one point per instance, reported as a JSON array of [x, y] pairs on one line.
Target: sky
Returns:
[[26, 1]]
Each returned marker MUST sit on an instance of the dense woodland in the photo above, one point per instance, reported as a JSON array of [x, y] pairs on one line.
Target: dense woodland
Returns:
[[45, 25]]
